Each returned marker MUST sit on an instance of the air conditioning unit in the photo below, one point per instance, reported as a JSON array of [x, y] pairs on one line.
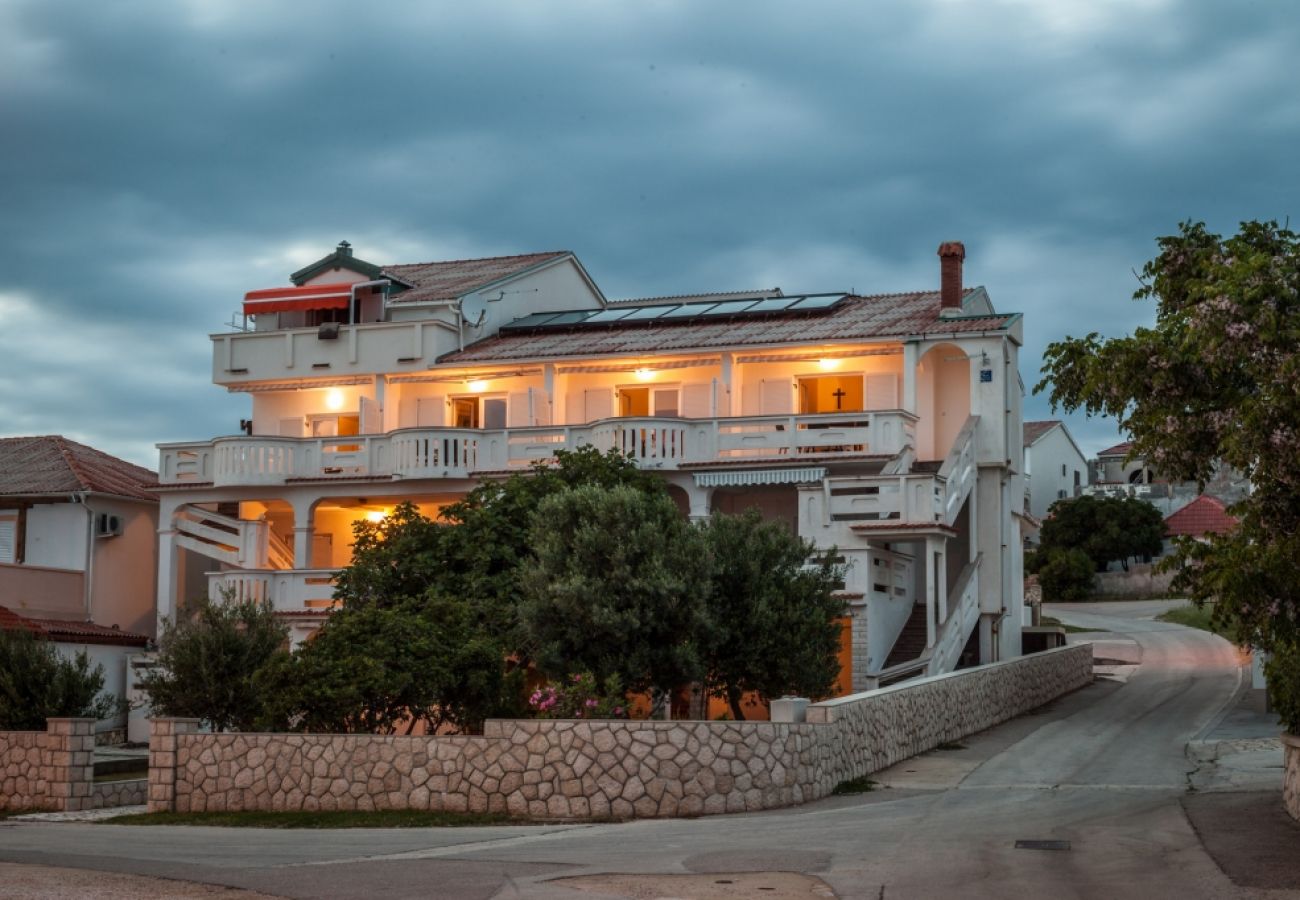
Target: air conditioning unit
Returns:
[[107, 525]]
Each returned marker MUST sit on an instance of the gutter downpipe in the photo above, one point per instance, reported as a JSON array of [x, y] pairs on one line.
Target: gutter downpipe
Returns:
[[352, 295]]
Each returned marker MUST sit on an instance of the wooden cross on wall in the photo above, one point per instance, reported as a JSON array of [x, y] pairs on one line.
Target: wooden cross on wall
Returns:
[[838, 394]]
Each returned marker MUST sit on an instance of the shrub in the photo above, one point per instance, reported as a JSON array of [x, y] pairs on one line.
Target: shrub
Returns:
[[1283, 673], [38, 683], [1065, 575], [580, 697]]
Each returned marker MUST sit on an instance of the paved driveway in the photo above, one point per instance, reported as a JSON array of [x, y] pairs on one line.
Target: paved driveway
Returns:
[[1103, 771]]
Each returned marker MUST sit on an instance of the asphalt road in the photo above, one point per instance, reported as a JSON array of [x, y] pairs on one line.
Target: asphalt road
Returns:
[[1103, 769]]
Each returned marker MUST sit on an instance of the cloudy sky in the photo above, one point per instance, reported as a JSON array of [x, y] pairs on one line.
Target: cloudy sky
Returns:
[[157, 160]]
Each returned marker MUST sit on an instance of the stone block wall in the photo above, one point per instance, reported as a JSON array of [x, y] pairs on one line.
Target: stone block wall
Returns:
[[1291, 774], [127, 792], [582, 769], [51, 769]]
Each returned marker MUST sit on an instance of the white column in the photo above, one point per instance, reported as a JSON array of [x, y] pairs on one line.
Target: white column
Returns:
[[548, 387], [911, 357], [931, 592], [941, 580], [304, 527], [167, 564], [726, 403], [699, 498]]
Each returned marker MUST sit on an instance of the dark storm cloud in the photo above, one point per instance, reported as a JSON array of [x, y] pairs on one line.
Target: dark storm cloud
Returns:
[[162, 158]]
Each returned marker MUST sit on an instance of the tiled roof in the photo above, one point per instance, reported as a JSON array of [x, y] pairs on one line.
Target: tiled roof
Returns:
[[70, 632], [1204, 515], [879, 316], [1117, 450], [455, 278], [55, 465], [1035, 430]]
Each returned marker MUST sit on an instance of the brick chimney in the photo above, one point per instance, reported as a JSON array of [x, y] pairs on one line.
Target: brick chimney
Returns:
[[951, 254]]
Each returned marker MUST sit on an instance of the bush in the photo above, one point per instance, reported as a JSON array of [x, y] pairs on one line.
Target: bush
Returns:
[[580, 697], [208, 660], [1065, 575], [38, 683], [1283, 673]]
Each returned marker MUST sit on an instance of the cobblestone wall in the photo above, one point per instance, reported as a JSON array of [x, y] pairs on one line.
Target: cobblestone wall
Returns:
[[128, 792], [51, 769], [577, 769], [1291, 774]]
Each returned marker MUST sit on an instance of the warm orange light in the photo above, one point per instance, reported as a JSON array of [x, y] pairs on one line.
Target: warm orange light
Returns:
[[828, 365], [644, 375], [376, 516], [334, 399], [478, 385]]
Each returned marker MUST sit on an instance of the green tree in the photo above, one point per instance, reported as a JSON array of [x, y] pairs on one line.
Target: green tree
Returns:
[[1107, 529], [1214, 382], [38, 683], [394, 561], [384, 668], [772, 616], [1065, 574], [208, 659], [617, 587]]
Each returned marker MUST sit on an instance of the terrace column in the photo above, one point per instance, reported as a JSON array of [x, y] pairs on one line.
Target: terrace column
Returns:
[[911, 357], [304, 528], [699, 499], [932, 576], [725, 405], [168, 560]]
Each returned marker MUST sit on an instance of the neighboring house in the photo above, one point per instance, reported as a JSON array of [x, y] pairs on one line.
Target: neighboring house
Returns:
[[1203, 516], [1055, 467], [111, 648], [887, 426], [1118, 473], [78, 534]]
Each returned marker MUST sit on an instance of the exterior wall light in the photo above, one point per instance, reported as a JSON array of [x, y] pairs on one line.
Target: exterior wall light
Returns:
[[334, 399], [828, 365], [644, 375], [376, 516], [478, 385]]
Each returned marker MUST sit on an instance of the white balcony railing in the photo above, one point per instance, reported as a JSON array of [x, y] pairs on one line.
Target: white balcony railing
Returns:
[[662, 443], [292, 590]]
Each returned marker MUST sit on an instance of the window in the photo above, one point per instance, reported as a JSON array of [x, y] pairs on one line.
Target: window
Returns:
[[478, 412], [830, 394], [339, 425], [649, 401], [1062, 470]]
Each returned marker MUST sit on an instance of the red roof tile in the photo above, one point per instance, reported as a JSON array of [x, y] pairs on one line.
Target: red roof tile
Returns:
[[1117, 450], [52, 464], [1204, 515], [858, 318], [70, 632], [455, 278], [1035, 430]]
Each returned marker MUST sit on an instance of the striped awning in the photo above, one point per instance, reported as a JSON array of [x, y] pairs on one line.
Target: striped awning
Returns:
[[288, 299], [742, 478]]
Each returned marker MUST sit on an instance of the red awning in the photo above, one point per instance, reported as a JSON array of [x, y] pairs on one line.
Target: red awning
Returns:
[[287, 299]]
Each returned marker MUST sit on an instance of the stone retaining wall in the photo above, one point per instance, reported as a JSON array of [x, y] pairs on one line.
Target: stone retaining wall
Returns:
[[580, 769], [128, 792], [1291, 774], [51, 769]]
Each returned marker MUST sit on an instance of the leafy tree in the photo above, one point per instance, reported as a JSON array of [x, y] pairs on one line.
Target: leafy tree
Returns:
[[1214, 381], [1065, 574], [394, 560], [1105, 528], [771, 616], [384, 668], [208, 659], [617, 588], [38, 683]]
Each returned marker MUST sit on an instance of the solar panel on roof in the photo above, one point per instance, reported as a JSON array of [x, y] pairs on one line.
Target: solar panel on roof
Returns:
[[650, 312], [807, 304], [609, 315], [729, 307], [771, 304], [571, 318], [689, 311], [531, 320]]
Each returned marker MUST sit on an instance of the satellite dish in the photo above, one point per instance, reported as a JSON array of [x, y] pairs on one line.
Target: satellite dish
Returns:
[[473, 308]]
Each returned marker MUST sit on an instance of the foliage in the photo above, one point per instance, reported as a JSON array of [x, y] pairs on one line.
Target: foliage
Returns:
[[860, 785], [1283, 673], [38, 683], [208, 659], [1213, 382], [1193, 616], [1106, 528], [617, 587], [1066, 576], [580, 697], [383, 668], [772, 616], [394, 561]]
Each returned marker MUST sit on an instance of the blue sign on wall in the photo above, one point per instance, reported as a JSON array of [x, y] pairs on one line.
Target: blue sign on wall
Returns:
[[986, 375]]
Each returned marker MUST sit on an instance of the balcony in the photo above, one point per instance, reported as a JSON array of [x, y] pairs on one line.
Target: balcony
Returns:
[[287, 590], [654, 443]]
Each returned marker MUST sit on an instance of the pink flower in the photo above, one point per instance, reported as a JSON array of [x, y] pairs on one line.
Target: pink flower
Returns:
[[590, 703]]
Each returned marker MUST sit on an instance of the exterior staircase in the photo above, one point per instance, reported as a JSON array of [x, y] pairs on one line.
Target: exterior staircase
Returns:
[[911, 640], [237, 542]]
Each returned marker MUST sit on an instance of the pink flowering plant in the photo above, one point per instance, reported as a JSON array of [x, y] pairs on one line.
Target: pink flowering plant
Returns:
[[580, 697]]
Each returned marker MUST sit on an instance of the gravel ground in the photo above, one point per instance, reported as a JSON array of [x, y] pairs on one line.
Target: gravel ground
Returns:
[[50, 883]]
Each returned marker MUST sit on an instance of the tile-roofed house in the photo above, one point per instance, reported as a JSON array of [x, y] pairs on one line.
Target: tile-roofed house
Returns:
[[1204, 515], [51, 464], [872, 423], [1119, 450], [70, 632], [1055, 467], [78, 533]]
